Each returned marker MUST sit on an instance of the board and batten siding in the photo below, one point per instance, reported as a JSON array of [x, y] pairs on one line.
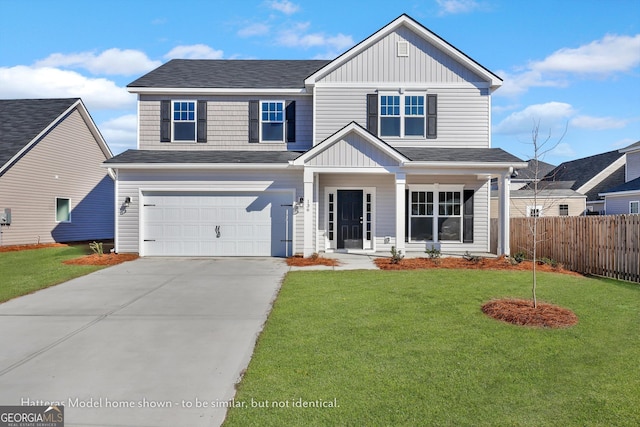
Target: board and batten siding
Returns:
[[425, 64], [633, 165], [65, 163], [463, 115], [130, 182], [227, 124], [352, 152]]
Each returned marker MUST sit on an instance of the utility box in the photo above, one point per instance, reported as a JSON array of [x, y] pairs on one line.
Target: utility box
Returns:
[[5, 216]]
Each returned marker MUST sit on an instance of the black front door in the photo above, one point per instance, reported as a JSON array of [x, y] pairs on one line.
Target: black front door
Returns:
[[349, 219]]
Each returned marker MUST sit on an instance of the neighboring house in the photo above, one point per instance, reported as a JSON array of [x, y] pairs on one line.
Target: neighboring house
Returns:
[[534, 170], [625, 198], [52, 185], [386, 145], [588, 176]]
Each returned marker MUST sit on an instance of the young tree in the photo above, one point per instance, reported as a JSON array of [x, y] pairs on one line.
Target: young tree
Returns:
[[541, 147]]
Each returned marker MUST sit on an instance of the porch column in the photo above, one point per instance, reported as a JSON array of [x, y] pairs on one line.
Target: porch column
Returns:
[[504, 186], [401, 181], [309, 246]]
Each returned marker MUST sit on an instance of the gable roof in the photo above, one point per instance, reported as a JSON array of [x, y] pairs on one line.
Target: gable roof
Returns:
[[23, 122], [529, 173], [580, 172], [228, 74], [632, 147], [189, 157], [405, 20]]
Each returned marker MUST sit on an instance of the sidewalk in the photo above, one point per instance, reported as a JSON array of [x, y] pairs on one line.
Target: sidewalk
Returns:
[[347, 262]]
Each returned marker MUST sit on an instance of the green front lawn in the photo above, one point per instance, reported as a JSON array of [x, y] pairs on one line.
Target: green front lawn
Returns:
[[27, 271], [412, 348]]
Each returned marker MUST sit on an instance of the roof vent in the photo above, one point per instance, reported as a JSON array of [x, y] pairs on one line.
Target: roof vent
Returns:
[[403, 48]]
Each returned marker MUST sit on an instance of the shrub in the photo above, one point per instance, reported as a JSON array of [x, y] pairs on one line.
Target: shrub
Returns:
[[519, 257], [96, 247], [433, 253], [396, 256], [471, 258]]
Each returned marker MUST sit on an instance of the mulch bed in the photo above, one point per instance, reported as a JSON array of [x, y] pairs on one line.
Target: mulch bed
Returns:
[[15, 248], [521, 312], [106, 259], [500, 263], [298, 261]]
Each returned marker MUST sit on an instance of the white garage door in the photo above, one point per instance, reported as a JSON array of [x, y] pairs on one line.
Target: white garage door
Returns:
[[216, 224]]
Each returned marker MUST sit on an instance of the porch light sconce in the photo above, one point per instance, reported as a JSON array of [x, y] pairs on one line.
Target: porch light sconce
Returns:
[[301, 201], [127, 201]]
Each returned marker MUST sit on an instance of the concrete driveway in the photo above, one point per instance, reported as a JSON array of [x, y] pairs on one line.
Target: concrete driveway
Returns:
[[152, 342]]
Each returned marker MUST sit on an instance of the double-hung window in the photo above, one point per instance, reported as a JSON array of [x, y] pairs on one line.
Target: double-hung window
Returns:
[[184, 121], [435, 216], [63, 209], [272, 119], [634, 207], [405, 115]]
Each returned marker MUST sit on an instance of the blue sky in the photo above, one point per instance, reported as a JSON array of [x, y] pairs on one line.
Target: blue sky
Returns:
[[565, 63]]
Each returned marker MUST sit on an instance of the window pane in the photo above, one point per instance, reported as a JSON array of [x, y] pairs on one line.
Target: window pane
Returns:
[[390, 126], [184, 131], [422, 229], [272, 132], [63, 211], [414, 126], [449, 228]]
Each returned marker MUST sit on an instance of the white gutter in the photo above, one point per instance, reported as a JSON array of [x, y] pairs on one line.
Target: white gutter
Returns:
[[215, 91], [195, 166]]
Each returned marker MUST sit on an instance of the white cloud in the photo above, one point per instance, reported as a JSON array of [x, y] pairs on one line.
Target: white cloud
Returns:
[[284, 6], [47, 82], [297, 37], [110, 62], [551, 115], [120, 132], [611, 54], [196, 51], [597, 123], [452, 7], [252, 30]]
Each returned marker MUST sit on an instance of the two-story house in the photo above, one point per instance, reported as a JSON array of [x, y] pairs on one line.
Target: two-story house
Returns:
[[387, 145], [625, 197]]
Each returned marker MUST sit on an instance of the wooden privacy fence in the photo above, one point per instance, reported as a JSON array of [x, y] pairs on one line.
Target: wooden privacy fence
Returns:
[[601, 245]]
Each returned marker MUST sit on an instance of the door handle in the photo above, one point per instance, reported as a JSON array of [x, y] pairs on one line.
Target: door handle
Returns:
[[217, 231]]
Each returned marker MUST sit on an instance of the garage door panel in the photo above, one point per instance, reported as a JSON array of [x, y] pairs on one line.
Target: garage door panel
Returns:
[[249, 224]]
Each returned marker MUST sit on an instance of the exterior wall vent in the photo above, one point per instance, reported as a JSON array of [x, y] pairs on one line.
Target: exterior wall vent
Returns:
[[403, 48]]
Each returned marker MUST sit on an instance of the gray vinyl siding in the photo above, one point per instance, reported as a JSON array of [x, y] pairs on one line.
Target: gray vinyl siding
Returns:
[[130, 183], [66, 163], [619, 205], [380, 63], [227, 124], [352, 151], [633, 166], [463, 115]]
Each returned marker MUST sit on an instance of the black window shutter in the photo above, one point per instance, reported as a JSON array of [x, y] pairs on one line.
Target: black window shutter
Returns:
[[290, 113], [165, 121], [432, 116], [372, 113], [202, 122], [467, 214], [406, 215], [254, 121]]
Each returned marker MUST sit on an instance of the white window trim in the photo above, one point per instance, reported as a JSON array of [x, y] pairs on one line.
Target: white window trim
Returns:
[[403, 94], [637, 203], [284, 121], [530, 208], [56, 210], [437, 189], [195, 121]]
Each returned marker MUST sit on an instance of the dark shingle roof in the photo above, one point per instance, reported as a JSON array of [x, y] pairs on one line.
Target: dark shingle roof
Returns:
[[633, 185], [580, 171], [529, 173], [203, 156], [613, 180], [232, 74], [632, 147], [429, 154], [21, 120]]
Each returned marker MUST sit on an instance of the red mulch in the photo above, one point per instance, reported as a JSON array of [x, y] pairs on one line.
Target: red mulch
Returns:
[[15, 248], [298, 261], [500, 263], [521, 312], [106, 259]]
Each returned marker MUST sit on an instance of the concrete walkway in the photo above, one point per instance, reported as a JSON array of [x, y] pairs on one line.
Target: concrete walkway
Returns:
[[152, 342], [347, 262]]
